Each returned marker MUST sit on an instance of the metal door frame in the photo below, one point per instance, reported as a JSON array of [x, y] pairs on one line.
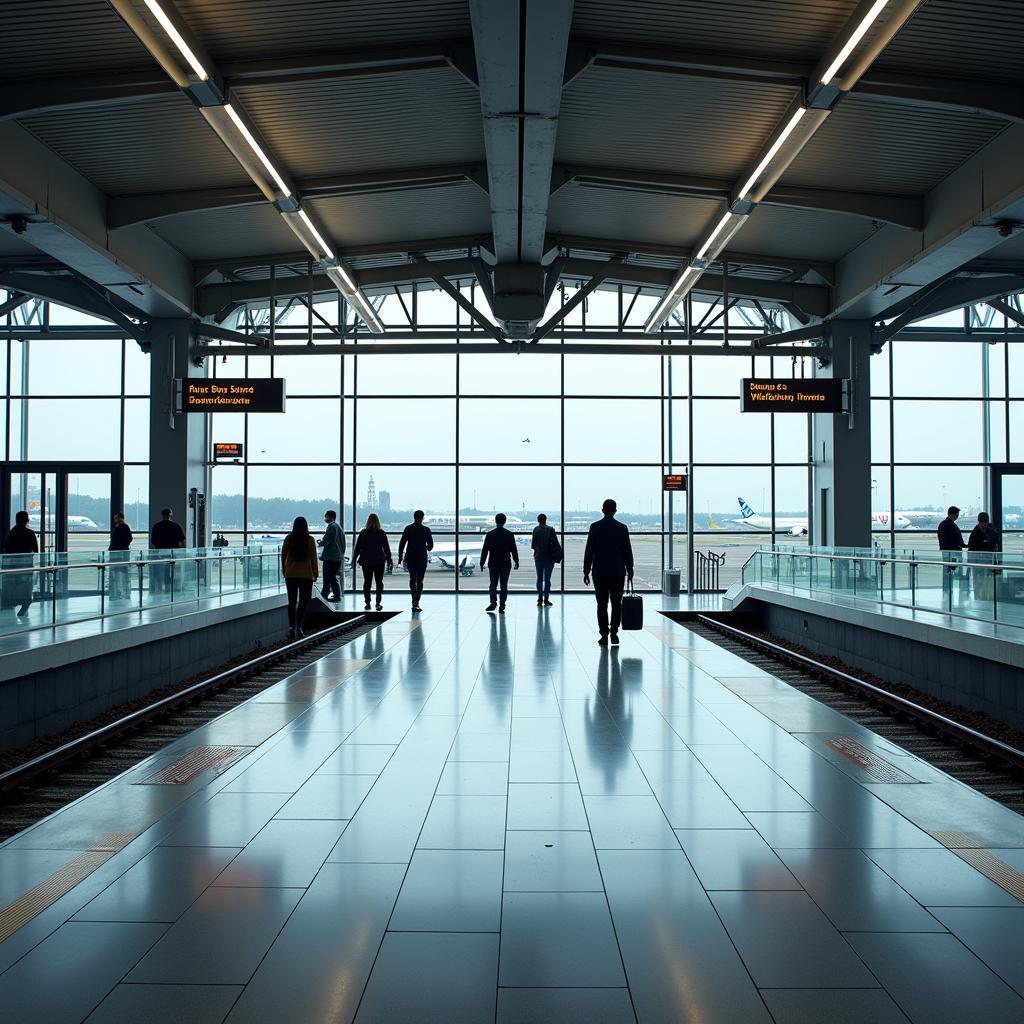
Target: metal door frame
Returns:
[[996, 472]]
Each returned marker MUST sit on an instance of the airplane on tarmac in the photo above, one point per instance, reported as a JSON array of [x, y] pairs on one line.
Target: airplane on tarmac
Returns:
[[76, 524], [796, 526], [475, 524]]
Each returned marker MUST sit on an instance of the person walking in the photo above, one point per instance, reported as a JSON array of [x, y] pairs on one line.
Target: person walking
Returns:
[[373, 552], [333, 554], [300, 570], [416, 541], [982, 546], [19, 547], [546, 552], [500, 546], [609, 557], [164, 535], [951, 543], [120, 542]]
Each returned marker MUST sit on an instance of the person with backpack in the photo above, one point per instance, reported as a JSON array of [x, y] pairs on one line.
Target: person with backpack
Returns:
[[547, 552]]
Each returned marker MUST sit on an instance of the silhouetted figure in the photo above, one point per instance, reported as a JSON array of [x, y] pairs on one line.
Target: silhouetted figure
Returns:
[[299, 568], [983, 544], [500, 546], [163, 536], [332, 554], [120, 542], [413, 548], [609, 558], [220, 541], [951, 543], [373, 552], [546, 552], [19, 547]]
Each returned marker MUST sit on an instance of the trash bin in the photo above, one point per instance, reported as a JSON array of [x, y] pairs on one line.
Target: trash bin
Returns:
[[671, 582]]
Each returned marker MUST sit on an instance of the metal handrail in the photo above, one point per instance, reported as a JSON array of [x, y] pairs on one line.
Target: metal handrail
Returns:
[[886, 559], [135, 562]]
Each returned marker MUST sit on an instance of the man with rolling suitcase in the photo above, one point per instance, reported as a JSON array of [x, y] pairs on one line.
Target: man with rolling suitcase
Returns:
[[609, 557]]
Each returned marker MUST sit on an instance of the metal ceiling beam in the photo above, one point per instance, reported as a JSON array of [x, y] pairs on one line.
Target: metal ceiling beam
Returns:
[[888, 209], [13, 301], [1007, 310], [460, 300], [76, 294], [566, 308], [138, 209]]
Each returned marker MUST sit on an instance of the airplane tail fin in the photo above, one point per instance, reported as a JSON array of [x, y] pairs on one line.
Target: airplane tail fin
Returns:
[[712, 524], [746, 512]]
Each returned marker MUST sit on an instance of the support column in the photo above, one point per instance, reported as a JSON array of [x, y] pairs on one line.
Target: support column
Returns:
[[841, 446], [178, 442]]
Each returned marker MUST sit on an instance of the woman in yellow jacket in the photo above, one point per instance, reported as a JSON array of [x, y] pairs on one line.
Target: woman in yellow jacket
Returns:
[[300, 569]]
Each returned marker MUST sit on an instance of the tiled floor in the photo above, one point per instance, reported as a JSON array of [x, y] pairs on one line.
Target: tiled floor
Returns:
[[471, 818]]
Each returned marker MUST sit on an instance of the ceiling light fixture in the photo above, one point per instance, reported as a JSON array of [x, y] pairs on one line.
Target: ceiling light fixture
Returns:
[[327, 254], [183, 48], [772, 151], [257, 149], [672, 299], [851, 44], [355, 298], [719, 227]]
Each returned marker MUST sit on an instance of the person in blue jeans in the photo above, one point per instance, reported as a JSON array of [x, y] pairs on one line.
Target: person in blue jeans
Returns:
[[500, 547], [546, 552]]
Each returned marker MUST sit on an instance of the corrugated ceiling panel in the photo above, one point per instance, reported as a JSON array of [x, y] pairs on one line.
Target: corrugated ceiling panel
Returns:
[[802, 234], [961, 39], [392, 216], [873, 146], [57, 38], [410, 119], [776, 30], [666, 122], [281, 28], [162, 144], [219, 234]]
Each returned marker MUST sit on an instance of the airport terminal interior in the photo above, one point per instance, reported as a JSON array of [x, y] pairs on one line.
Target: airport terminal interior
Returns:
[[692, 332]]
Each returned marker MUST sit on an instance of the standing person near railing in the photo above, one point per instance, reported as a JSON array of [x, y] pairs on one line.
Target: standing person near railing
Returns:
[[164, 535], [984, 538], [21, 544], [373, 552], [950, 540], [333, 554], [120, 542], [300, 570]]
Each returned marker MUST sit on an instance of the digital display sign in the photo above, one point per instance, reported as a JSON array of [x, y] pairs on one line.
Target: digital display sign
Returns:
[[225, 450], [227, 394], [812, 395], [673, 482]]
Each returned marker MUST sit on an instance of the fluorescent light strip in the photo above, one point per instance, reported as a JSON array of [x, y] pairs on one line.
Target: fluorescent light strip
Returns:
[[726, 217], [671, 300], [773, 149], [316, 234], [179, 42], [255, 147], [851, 43]]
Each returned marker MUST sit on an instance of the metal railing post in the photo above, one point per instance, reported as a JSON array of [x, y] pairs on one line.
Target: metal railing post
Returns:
[[913, 584]]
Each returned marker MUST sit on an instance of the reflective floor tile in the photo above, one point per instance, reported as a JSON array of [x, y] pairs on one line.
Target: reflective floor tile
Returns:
[[558, 939], [21, 870], [328, 796], [166, 1004], [464, 823], [285, 853], [734, 859], [357, 759], [629, 823], [703, 731], [784, 830], [473, 778], [935, 978], [551, 862], [541, 766], [834, 1005], [939, 878], [226, 819], [697, 804], [432, 979], [564, 1006], [749, 782], [680, 962], [63, 979], [787, 942], [650, 733], [994, 934], [537, 734], [479, 746], [856, 894], [450, 891], [221, 938], [340, 921], [669, 765], [540, 806], [161, 886]]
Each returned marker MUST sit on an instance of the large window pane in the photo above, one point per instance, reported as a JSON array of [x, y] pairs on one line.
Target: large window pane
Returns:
[[637, 490], [400, 490], [791, 500], [136, 501], [309, 375], [720, 376], [521, 492], [934, 489], [406, 374], [880, 431], [226, 503], [791, 430], [308, 431], [136, 430], [718, 490], [937, 432], [677, 426], [277, 494], [939, 368], [882, 517], [510, 430], [612, 430], [87, 366], [410, 430], [510, 373], [71, 429], [721, 433], [612, 374]]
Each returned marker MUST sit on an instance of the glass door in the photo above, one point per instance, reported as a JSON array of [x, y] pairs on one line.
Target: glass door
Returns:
[[1007, 490]]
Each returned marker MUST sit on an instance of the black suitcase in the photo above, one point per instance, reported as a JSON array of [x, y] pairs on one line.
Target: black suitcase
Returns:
[[632, 610]]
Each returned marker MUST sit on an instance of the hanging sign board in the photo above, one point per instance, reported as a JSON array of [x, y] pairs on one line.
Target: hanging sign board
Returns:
[[810, 395], [225, 450], [673, 482], [230, 394]]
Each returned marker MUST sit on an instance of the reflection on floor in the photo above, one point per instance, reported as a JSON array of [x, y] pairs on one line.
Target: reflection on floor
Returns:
[[467, 817]]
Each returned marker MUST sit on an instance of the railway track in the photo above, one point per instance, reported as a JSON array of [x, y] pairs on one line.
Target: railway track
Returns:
[[981, 761], [44, 784]]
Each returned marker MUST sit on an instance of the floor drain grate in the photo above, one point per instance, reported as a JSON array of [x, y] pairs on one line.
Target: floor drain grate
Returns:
[[193, 764], [869, 762]]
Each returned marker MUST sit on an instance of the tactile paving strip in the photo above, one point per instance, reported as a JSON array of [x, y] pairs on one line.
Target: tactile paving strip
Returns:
[[968, 849], [868, 761], [193, 764]]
